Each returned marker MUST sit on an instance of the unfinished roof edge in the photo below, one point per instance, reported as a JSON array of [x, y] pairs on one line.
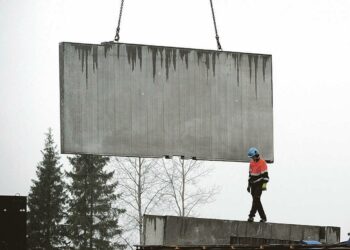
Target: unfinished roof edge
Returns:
[[245, 246], [213, 219], [174, 230]]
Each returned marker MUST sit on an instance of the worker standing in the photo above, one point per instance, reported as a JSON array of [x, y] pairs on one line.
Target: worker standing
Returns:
[[258, 177]]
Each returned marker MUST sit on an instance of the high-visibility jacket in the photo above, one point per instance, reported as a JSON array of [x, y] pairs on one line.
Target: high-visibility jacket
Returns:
[[258, 172]]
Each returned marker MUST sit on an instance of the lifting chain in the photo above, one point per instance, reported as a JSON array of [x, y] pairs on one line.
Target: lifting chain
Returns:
[[216, 30], [116, 38]]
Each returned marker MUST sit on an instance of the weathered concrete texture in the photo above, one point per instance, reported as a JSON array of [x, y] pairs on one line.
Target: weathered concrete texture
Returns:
[[171, 230], [149, 101], [155, 230]]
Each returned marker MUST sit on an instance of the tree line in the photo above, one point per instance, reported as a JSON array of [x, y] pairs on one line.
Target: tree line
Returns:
[[98, 202]]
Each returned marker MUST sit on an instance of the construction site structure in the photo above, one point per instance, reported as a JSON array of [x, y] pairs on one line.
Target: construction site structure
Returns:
[[188, 231]]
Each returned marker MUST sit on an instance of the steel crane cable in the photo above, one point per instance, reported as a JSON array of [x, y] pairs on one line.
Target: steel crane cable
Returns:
[[216, 30], [116, 38]]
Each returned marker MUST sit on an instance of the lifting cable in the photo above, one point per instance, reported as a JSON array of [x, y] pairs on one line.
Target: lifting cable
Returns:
[[216, 30], [116, 38]]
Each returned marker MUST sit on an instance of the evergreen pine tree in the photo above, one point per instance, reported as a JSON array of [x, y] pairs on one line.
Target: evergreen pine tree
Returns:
[[46, 200], [92, 213]]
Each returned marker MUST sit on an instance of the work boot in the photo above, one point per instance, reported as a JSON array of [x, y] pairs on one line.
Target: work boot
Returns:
[[250, 219]]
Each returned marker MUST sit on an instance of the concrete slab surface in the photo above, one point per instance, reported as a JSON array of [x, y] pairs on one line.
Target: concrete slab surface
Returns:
[[152, 101]]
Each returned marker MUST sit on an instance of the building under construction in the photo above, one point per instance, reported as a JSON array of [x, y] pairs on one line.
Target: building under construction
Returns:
[[175, 233], [155, 101]]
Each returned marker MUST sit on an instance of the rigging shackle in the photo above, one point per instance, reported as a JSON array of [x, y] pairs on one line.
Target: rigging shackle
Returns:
[[216, 30]]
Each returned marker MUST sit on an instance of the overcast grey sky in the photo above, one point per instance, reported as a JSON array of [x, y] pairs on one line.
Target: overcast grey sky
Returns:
[[310, 45]]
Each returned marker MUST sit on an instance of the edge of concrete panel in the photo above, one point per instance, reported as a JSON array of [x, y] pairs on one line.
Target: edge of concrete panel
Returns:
[[61, 80], [162, 46], [272, 122], [157, 157]]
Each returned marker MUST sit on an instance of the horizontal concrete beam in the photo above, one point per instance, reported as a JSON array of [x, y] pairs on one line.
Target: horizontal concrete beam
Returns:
[[172, 230]]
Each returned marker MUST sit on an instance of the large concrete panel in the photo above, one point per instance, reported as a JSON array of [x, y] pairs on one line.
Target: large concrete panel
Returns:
[[199, 231], [150, 101]]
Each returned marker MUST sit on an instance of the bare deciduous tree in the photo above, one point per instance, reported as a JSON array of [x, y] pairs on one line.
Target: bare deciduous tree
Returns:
[[159, 186], [141, 191], [182, 181]]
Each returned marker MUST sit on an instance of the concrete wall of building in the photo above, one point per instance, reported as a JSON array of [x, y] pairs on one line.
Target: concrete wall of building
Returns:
[[149, 101], [172, 230]]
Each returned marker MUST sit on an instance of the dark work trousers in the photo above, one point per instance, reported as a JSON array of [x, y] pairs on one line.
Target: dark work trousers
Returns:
[[256, 191]]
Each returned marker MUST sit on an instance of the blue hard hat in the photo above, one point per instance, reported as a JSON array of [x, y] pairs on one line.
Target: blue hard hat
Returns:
[[252, 152]]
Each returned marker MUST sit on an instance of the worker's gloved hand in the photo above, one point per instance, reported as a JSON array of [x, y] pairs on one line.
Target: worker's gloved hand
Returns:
[[248, 189]]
